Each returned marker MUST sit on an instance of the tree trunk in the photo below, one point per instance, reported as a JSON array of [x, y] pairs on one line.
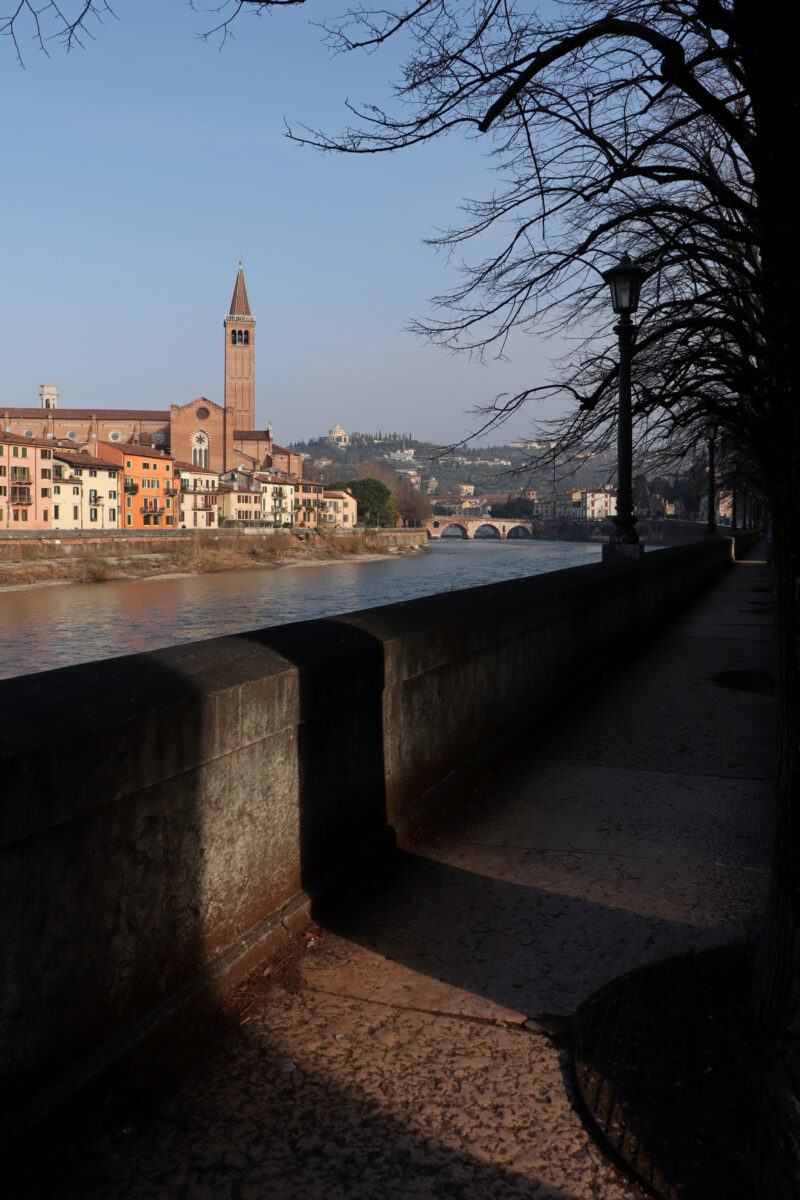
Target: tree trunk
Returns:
[[771, 68]]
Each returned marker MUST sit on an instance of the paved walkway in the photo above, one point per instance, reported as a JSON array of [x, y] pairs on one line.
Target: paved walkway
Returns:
[[407, 1050]]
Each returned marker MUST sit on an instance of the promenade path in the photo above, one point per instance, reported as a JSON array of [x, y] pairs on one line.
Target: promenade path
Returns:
[[394, 1054]]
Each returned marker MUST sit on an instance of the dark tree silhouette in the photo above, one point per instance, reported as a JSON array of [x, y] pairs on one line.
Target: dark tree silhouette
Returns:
[[413, 507]]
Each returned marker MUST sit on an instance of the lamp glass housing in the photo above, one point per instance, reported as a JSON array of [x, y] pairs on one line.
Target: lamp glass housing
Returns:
[[625, 281], [712, 429]]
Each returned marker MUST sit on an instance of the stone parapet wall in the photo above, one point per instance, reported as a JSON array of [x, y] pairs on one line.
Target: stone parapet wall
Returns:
[[162, 813]]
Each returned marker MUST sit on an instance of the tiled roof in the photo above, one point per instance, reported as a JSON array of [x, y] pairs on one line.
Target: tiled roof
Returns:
[[239, 304], [252, 435], [19, 439], [75, 458], [137, 450], [187, 466], [85, 414]]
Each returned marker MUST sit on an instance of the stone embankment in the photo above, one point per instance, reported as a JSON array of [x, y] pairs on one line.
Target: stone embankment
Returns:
[[166, 816], [413, 1045]]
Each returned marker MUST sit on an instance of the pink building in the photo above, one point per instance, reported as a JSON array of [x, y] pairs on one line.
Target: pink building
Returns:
[[26, 482]]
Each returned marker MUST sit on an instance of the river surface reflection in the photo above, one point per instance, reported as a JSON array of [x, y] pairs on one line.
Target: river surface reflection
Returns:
[[45, 627]]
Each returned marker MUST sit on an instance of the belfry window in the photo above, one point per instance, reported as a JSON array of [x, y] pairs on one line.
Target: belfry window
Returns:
[[247, 337], [241, 338], [233, 337]]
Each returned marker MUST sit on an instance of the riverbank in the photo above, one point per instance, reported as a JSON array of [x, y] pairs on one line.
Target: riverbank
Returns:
[[202, 555]]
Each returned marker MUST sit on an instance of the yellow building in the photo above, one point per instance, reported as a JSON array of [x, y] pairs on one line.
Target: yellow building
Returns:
[[86, 492], [339, 510]]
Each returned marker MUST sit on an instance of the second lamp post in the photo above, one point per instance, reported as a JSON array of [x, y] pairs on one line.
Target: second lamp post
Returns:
[[625, 282]]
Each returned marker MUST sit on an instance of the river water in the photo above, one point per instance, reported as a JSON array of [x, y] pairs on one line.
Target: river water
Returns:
[[45, 627]]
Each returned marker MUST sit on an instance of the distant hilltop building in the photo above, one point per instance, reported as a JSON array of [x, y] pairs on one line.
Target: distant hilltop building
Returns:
[[338, 437], [201, 433]]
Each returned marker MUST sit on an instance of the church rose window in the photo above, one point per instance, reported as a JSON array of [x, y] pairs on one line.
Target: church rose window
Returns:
[[201, 414], [72, 435], [115, 435], [28, 433]]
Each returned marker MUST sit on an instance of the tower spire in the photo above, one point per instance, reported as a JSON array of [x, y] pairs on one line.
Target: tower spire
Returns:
[[239, 303]]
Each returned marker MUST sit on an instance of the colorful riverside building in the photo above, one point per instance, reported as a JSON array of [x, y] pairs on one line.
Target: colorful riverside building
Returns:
[[149, 485], [87, 492], [198, 497], [26, 483], [339, 510], [200, 432]]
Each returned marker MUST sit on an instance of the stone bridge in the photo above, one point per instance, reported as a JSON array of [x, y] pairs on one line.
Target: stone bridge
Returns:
[[489, 527]]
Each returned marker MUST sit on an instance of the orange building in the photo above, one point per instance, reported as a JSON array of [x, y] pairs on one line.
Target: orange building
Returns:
[[200, 432], [150, 486]]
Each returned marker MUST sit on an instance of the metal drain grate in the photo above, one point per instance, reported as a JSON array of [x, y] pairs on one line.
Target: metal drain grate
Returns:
[[660, 1062]]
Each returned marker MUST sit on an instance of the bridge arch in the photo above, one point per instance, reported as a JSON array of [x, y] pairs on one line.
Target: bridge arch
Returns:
[[487, 529], [519, 533], [448, 530]]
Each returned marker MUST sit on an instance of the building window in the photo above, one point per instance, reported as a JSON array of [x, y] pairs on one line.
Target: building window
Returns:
[[45, 493], [112, 514], [146, 466], [128, 502], [128, 463], [233, 337], [112, 495], [45, 514], [247, 337], [92, 473], [200, 448], [56, 511], [76, 491], [92, 514], [74, 512]]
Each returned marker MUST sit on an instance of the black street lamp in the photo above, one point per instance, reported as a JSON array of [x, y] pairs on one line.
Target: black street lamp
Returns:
[[712, 430], [625, 281]]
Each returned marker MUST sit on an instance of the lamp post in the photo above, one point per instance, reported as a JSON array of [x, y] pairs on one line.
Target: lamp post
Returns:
[[711, 435], [625, 282]]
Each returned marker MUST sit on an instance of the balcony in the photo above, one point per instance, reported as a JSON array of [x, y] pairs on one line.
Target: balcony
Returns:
[[131, 488], [20, 475], [21, 495]]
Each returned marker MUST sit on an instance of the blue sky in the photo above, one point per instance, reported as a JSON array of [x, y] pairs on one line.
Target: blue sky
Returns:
[[139, 170]]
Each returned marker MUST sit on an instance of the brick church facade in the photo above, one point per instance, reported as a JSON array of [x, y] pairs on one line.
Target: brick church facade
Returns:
[[200, 433]]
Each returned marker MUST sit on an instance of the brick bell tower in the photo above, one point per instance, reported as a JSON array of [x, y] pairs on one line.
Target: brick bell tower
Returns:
[[240, 330]]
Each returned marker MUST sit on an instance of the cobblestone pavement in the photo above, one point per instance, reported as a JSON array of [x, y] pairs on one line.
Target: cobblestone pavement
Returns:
[[412, 1046]]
